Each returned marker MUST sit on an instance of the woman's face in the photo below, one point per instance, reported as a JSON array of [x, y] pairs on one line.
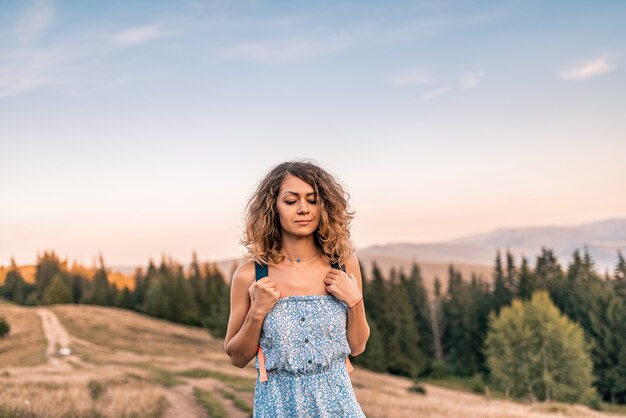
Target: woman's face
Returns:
[[297, 202]]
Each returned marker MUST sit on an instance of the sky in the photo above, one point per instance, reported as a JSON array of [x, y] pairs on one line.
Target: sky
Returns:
[[135, 129]]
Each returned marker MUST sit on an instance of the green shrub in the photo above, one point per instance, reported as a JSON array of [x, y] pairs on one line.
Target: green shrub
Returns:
[[4, 327]]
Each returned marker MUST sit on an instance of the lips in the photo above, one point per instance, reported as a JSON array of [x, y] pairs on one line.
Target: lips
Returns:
[[303, 222]]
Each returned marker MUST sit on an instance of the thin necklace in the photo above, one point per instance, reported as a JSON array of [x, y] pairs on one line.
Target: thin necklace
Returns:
[[299, 259]]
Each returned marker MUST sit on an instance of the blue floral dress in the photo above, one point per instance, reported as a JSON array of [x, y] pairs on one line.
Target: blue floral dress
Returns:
[[304, 349]]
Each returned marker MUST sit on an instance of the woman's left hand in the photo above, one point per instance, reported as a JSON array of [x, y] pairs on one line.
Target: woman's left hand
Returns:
[[343, 285]]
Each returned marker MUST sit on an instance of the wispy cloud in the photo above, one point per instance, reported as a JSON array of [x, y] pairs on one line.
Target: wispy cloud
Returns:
[[139, 35], [286, 50], [438, 92], [34, 21], [588, 69], [303, 47], [409, 78], [467, 81], [471, 80]]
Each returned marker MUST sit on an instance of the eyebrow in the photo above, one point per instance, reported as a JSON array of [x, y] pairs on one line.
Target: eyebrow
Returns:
[[298, 194]]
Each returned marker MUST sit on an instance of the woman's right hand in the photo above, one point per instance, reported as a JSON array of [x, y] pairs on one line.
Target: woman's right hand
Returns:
[[263, 295]]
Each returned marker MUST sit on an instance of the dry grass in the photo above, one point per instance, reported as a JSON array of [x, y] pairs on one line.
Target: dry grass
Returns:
[[44, 393], [25, 345], [130, 365]]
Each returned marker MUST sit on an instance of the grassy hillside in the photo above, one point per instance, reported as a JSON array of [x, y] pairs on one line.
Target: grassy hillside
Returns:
[[124, 364]]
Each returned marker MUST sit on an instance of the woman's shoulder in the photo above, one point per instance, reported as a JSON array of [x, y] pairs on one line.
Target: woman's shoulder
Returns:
[[245, 273]]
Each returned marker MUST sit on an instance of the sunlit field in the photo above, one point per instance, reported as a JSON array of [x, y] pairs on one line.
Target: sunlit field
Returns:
[[124, 364]]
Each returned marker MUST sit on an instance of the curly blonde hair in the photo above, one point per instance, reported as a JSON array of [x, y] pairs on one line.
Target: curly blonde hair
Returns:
[[262, 236]]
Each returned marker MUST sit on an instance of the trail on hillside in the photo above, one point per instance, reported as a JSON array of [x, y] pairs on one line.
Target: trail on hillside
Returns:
[[182, 403], [56, 334]]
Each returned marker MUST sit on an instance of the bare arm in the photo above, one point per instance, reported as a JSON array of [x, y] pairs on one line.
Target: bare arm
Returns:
[[357, 329], [246, 315]]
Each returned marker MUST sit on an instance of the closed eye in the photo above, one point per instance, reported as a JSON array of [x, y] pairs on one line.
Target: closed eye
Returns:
[[294, 201]]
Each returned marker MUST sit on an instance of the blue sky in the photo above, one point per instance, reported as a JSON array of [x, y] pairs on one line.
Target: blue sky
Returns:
[[136, 128]]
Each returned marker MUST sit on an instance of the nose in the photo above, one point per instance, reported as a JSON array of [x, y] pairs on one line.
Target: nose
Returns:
[[303, 207]]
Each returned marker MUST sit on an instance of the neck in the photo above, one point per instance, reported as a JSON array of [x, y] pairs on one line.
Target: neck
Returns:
[[304, 250]]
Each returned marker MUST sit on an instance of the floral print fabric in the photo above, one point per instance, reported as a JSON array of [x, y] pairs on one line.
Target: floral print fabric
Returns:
[[304, 345]]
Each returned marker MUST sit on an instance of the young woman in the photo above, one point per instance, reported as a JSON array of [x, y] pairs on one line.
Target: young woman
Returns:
[[297, 303]]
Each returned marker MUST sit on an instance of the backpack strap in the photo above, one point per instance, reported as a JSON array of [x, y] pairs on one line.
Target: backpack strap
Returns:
[[338, 266], [343, 267], [261, 271]]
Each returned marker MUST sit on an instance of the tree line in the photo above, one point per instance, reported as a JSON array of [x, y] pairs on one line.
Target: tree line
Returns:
[[448, 334], [197, 296], [472, 328]]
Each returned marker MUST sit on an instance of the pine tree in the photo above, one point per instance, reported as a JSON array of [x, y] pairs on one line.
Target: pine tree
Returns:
[[620, 276], [125, 299], [502, 295], [511, 278], [12, 281], [99, 290], [418, 301], [527, 281], [48, 265], [58, 291], [607, 330], [405, 356], [374, 357], [376, 301]]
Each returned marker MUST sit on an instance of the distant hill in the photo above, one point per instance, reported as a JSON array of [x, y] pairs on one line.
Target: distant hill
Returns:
[[602, 239]]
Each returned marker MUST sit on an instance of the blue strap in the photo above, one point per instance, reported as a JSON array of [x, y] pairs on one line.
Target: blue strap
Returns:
[[336, 266], [261, 269]]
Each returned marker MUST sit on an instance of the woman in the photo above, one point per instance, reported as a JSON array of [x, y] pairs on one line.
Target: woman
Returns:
[[297, 303]]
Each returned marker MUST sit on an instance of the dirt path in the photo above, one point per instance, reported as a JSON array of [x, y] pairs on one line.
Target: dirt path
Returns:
[[57, 336], [181, 399], [182, 403]]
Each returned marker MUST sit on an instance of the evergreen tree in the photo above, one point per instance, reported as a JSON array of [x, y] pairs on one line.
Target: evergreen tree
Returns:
[[374, 357], [607, 330], [78, 282], [125, 299], [465, 309], [198, 285], [620, 276], [403, 346], [418, 301], [511, 278], [527, 282], [548, 273], [502, 295], [99, 290], [58, 291], [48, 265], [376, 301], [12, 281]]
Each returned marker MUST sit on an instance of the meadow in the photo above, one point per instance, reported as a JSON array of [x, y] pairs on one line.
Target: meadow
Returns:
[[125, 364]]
